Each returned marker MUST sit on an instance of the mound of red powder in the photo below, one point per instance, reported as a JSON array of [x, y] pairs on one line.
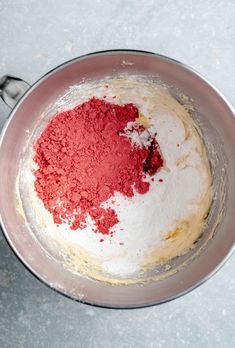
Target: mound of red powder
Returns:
[[84, 157]]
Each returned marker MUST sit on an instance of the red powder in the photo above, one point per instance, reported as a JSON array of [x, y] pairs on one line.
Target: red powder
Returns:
[[84, 158]]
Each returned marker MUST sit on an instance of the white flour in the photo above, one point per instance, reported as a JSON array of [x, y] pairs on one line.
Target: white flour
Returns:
[[155, 226]]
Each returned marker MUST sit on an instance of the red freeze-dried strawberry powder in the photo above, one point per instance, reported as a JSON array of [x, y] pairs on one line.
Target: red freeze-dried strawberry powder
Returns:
[[84, 157]]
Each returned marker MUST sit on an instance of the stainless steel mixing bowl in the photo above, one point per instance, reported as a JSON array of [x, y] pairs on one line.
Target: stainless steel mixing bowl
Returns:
[[217, 121]]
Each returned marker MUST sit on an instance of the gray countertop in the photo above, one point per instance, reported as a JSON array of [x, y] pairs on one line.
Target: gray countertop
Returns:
[[36, 36]]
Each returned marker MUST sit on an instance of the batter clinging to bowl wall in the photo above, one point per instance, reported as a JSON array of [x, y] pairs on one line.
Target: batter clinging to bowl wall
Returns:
[[121, 181]]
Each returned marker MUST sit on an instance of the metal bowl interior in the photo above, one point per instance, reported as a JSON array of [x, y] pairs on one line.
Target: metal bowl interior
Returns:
[[217, 122]]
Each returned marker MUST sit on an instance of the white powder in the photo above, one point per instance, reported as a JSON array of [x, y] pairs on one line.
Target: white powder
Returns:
[[144, 220]]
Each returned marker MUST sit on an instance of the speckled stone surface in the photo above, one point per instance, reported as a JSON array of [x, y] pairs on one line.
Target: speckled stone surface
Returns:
[[36, 36]]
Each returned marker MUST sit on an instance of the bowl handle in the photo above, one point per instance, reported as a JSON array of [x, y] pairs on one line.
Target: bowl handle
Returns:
[[12, 89]]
